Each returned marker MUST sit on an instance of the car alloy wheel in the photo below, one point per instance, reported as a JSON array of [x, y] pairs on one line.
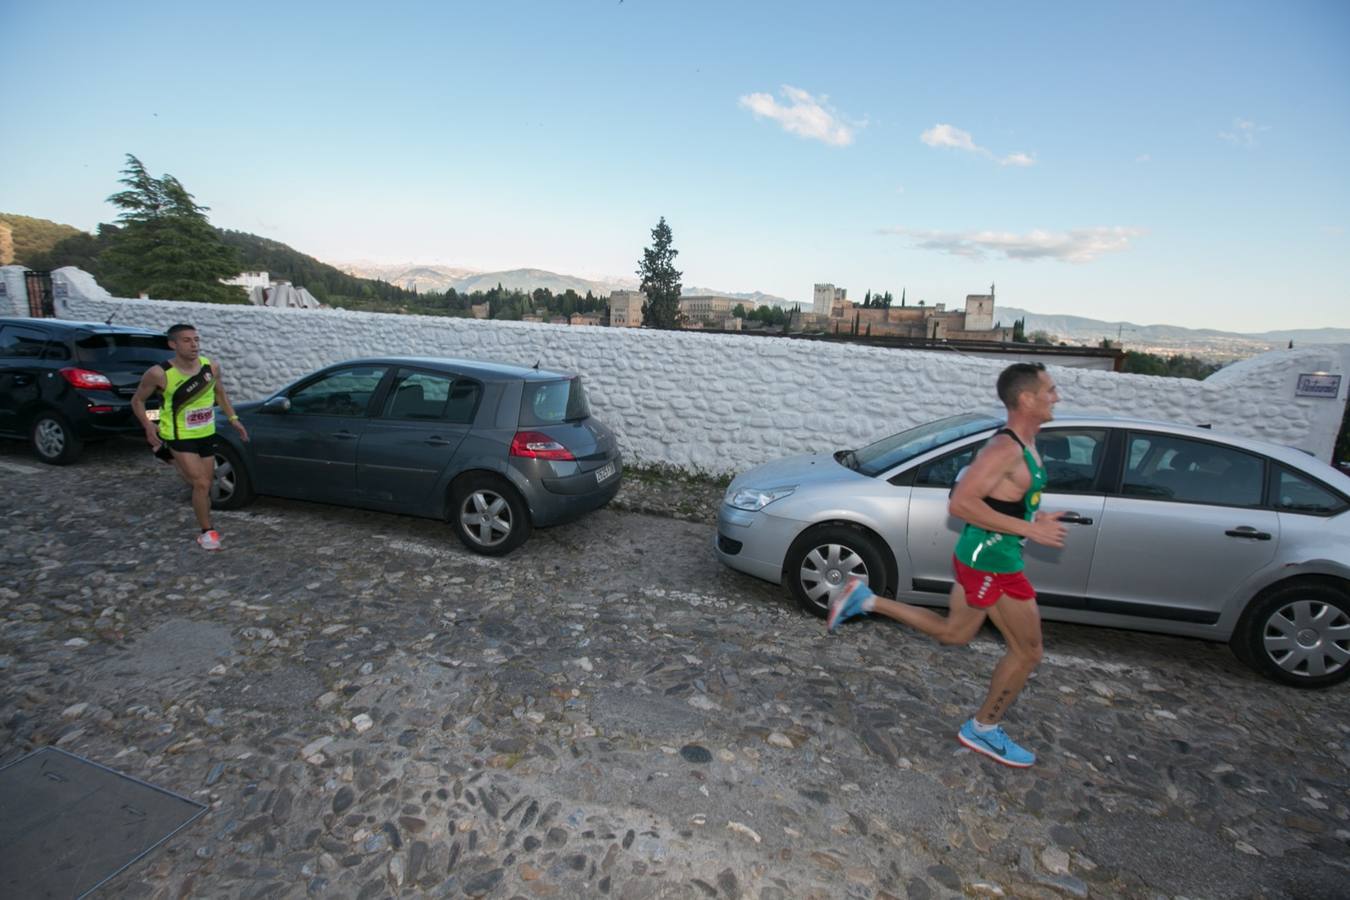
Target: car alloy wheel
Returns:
[[1299, 635], [230, 485], [489, 515], [486, 517], [823, 559], [53, 440], [1307, 637]]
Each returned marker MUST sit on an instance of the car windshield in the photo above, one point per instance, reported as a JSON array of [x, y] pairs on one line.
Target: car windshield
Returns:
[[553, 402], [140, 349], [889, 452]]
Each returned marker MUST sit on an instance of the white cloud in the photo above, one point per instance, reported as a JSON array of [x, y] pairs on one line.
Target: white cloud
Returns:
[[950, 136], [1077, 245], [802, 115], [1244, 132], [943, 135]]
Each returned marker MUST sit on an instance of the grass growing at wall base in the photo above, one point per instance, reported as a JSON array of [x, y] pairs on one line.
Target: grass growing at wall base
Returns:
[[662, 489]]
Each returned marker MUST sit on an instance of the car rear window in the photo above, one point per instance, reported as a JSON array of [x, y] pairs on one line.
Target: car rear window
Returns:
[[890, 452], [553, 402], [138, 349]]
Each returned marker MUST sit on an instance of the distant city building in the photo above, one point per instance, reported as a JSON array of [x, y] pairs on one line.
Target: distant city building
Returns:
[[480, 310], [974, 323], [625, 309], [710, 309], [827, 297], [584, 319]]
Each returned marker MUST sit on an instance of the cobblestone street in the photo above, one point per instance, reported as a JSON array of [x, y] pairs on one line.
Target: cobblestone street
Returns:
[[372, 711]]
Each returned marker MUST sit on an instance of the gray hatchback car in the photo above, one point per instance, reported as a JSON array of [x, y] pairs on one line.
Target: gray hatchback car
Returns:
[[1172, 529], [496, 449]]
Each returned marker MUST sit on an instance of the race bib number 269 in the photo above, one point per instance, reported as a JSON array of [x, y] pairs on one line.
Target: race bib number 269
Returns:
[[199, 417]]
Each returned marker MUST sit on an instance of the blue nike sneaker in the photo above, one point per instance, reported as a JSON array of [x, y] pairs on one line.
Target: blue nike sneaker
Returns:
[[995, 744], [847, 603]]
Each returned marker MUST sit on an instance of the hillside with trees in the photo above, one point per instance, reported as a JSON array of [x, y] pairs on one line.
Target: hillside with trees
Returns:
[[24, 238]]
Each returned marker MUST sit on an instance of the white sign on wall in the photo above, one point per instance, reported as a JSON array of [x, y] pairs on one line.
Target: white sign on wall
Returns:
[[1318, 384]]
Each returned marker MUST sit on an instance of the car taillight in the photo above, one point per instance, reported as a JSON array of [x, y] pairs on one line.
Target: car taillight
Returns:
[[84, 378], [536, 445]]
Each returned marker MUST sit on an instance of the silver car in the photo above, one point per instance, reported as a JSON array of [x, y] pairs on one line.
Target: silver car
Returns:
[[1172, 529]]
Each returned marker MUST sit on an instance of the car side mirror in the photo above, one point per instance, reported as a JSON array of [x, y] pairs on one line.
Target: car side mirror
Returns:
[[277, 405]]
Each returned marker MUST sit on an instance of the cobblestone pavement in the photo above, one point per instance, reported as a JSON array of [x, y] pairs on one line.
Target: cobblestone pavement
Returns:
[[371, 711]]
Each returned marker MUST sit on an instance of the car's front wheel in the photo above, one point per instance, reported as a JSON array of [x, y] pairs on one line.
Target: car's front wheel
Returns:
[[54, 441], [1298, 634], [823, 558], [489, 515], [230, 485]]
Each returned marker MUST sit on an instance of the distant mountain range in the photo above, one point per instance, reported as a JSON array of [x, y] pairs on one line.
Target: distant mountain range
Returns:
[[1204, 342], [412, 276]]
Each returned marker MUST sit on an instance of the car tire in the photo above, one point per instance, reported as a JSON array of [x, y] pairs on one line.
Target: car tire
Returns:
[[54, 441], [823, 558], [489, 515], [1298, 635], [231, 487]]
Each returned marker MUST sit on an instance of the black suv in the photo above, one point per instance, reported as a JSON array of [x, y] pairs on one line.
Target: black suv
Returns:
[[64, 383]]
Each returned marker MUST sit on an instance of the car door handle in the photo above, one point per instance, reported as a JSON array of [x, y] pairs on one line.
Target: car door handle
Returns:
[[345, 435], [1246, 531], [22, 380], [437, 442], [1073, 518]]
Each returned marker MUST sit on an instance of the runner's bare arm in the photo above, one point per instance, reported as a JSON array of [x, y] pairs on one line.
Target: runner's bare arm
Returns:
[[223, 401], [991, 467], [153, 380]]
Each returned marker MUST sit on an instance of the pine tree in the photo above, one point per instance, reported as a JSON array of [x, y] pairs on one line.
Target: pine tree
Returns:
[[166, 248], [660, 280]]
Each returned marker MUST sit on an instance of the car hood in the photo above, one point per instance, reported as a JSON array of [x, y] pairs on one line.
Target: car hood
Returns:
[[799, 470]]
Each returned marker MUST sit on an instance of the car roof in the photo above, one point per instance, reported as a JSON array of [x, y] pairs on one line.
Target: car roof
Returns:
[[91, 327], [484, 371]]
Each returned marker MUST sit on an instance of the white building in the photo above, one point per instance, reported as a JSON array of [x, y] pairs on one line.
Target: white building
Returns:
[[249, 280]]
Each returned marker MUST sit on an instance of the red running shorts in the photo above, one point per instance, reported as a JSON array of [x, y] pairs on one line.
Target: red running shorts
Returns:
[[984, 588]]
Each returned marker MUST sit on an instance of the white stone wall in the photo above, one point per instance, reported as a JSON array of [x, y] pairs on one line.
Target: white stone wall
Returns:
[[720, 403], [14, 302]]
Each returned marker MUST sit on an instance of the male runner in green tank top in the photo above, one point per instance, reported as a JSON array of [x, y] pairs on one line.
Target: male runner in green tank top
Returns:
[[997, 498], [187, 423]]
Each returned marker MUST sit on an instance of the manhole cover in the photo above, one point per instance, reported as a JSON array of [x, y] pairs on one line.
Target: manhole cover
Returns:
[[67, 825]]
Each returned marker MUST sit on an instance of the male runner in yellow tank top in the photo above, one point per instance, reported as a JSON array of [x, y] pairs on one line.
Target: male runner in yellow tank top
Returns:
[[186, 429], [997, 498]]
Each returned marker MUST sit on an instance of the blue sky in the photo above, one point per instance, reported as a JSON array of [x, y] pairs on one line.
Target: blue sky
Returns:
[[1177, 162]]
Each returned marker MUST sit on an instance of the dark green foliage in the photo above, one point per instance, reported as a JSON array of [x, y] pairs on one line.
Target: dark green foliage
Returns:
[[739, 311], [768, 315], [1019, 334], [166, 248], [660, 280], [80, 250], [33, 238], [1139, 363]]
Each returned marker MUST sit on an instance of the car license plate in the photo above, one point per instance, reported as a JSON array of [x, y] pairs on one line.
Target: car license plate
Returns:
[[604, 472], [152, 415]]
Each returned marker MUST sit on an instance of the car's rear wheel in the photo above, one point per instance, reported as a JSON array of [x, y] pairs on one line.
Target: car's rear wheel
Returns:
[[54, 441], [230, 485], [823, 558], [489, 515], [1298, 634]]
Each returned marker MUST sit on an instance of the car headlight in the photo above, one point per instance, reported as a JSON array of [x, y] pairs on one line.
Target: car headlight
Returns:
[[753, 500]]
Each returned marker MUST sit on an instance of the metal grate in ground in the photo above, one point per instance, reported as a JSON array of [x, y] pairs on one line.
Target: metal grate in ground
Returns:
[[68, 825]]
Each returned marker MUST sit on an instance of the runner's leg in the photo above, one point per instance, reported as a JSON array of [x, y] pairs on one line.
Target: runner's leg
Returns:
[[1020, 623], [957, 627], [198, 472]]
